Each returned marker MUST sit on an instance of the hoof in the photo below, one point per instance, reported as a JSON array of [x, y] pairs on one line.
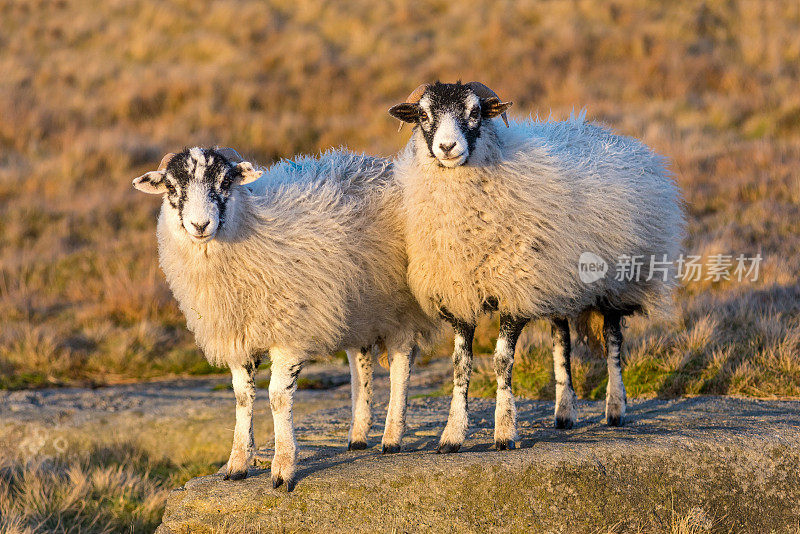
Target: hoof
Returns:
[[390, 449], [564, 424], [356, 445], [614, 420], [235, 475], [505, 445], [447, 448], [282, 469]]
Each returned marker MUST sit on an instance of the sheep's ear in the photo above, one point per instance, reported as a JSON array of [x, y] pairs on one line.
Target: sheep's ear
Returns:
[[151, 183], [405, 112], [248, 172], [492, 107]]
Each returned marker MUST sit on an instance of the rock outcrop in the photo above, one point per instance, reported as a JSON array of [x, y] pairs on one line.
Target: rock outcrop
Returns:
[[709, 463]]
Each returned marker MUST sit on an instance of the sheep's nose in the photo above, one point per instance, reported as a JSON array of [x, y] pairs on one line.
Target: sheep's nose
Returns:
[[447, 147], [200, 227]]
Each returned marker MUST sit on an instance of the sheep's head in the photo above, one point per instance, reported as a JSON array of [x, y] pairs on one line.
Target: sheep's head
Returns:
[[197, 185], [450, 116]]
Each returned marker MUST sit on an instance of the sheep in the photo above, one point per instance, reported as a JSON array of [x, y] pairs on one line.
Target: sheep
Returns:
[[496, 219], [307, 259]]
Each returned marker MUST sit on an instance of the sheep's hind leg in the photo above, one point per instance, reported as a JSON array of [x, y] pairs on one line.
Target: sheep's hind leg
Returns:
[[282, 385], [616, 398], [566, 401], [457, 422], [505, 414], [399, 373], [243, 379], [361, 396]]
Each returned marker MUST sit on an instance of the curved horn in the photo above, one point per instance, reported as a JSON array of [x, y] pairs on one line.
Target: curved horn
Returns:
[[165, 161], [417, 93], [484, 92], [230, 154]]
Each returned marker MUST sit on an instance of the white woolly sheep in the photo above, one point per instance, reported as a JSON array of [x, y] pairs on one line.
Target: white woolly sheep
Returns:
[[307, 260], [497, 219]]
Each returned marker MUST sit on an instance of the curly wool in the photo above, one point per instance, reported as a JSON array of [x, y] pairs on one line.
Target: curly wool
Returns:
[[310, 257], [512, 229]]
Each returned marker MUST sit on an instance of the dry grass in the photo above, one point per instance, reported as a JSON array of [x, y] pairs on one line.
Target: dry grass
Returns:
[[110, 490], [92, 94], [102, 488], [98, 476]]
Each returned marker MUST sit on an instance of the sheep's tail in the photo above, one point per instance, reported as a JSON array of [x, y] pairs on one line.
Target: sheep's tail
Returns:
[[589, 327], [380, 351]]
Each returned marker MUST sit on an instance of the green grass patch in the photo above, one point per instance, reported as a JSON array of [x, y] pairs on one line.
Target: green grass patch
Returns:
[[24, 380], [435, 393]]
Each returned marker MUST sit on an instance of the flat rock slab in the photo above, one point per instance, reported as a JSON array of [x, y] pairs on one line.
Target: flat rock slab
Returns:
[[708, 463]]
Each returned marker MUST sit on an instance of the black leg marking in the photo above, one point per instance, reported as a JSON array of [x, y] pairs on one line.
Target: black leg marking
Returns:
[[616, 397], [365, 358], [563, 369], [505, 410], [457, 422], [510, 330], [462, 360], [294, 370]]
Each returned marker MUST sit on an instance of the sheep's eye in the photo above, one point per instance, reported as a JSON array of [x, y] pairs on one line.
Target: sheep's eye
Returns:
[[170, 188], [226, 183], [475, 113], [423, 116]]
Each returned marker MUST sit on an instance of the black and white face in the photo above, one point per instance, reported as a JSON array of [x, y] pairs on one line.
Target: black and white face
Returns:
[[450, 116], [197, 185]]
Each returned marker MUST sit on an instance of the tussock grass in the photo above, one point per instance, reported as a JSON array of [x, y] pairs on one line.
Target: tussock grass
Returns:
[[119, 488], [110, 474]]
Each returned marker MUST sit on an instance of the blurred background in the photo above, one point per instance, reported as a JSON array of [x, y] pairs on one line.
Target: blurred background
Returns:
[[93, 94]]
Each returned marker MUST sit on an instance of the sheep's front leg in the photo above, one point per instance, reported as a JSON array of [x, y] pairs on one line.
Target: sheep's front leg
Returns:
[[282, 385], [361, 397], [399, 373], [566, 400], [243, 379], [616, 398], [505, 412], [457, 422]]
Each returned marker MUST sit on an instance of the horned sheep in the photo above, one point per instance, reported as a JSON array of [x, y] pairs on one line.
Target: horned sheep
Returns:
[[497, 219], [307, 259]]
